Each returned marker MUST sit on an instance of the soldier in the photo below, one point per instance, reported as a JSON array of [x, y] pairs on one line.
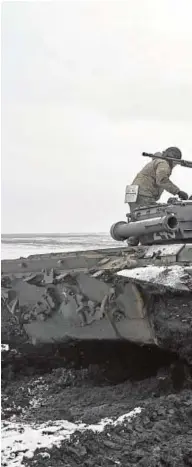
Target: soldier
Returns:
[[153, 179]]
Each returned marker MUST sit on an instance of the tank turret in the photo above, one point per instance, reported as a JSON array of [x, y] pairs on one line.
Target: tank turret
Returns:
[[157, 224]]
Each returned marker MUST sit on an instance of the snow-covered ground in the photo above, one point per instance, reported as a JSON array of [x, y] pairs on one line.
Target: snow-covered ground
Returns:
[[21, 439]]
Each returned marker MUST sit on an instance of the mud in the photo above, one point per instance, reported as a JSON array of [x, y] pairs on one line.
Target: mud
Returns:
[[106, 382], [159, 436], [53, 393], [172, 320], [115, 359]]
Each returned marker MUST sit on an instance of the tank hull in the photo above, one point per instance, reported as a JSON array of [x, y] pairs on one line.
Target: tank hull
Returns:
[[100, 295]]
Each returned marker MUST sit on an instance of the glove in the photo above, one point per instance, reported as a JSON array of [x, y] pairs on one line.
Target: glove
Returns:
[[183, 195]]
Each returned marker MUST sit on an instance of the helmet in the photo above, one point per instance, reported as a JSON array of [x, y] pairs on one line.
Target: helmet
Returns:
[[172, 153]]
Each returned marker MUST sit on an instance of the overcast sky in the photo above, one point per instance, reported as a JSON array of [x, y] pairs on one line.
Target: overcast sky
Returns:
[[86, 87]]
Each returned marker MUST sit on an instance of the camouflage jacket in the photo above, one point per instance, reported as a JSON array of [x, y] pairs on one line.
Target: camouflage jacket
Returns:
[[153, 179]]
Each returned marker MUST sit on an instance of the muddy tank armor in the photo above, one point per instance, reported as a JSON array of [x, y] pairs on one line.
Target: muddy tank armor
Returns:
[[140, 294]]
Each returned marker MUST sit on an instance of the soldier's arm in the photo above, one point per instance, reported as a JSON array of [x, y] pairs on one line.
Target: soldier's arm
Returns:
[[163, 173]]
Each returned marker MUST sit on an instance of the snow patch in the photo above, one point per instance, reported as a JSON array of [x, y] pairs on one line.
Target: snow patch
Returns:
[[170, 277], [19, 439], [163, 250], [4, 347]]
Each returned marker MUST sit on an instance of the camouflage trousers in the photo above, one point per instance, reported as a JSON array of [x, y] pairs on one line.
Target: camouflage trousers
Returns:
[[141, 201]]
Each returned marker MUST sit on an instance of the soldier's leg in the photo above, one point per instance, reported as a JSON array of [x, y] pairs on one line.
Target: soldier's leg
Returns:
[[132, 206], [141, 201], [133, 241], [145, 201]]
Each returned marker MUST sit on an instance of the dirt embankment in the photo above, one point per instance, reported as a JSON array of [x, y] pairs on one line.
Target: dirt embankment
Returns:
[[85, 385]]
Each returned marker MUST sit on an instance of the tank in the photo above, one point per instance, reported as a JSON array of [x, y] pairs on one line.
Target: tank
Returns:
[[139, 294]]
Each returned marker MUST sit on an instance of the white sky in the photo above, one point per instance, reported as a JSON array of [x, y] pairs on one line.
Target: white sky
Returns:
[[86, 87]]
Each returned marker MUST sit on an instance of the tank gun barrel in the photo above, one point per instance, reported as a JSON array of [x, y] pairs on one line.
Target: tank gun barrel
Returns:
[[122, 230], [181, 162]]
